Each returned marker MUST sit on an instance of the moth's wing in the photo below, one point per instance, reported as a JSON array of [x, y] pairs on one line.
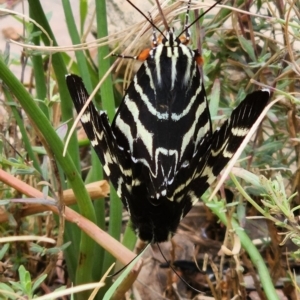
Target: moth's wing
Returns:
[[98, 130], [162, 126], [225, 142]]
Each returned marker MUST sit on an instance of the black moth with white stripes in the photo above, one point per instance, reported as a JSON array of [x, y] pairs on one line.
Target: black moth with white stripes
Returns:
[[160, 152]]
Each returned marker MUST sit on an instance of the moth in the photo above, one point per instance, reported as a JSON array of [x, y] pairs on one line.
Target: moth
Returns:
[[160, 152]]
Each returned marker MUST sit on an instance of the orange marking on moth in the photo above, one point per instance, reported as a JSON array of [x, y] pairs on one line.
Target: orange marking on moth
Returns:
[[144, 54], [156, 42], [184, 40], [199, 60]]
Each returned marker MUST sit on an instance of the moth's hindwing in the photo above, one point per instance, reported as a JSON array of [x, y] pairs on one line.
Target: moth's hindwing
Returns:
[[226, 141]]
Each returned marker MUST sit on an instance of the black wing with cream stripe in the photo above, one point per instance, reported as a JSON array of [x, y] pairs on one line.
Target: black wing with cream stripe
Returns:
[[224, 143], [98, 130]]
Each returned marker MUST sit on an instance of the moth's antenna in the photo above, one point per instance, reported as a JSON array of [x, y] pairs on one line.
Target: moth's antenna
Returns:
[[173, 269], [149, 20], [186, 26], [203, 14], [122, 269], [154, 38]]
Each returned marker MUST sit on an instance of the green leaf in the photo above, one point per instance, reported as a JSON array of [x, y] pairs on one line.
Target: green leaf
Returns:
[[36, 248], [83, 8], [7, 288], [25, 280], [16, 285], [215, 98], [271, 146], [248, 47], [38, 282], [4, 248], [248, 177]]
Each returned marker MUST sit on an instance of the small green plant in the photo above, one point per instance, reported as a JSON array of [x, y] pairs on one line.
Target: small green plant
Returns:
[[279, 208], [25, 287]]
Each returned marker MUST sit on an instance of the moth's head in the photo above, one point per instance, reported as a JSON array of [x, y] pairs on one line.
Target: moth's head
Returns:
[[168, 39], [172, 40]]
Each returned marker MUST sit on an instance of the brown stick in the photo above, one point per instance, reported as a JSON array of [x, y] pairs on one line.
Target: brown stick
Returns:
[[114, 247]]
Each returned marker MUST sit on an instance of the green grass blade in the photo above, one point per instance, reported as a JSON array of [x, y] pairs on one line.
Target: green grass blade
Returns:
[[25, 138], [108, 104], [54, 142], [116, 284]]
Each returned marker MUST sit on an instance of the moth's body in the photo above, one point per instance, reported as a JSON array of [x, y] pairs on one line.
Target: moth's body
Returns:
[[160, 153], [154, 129]]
